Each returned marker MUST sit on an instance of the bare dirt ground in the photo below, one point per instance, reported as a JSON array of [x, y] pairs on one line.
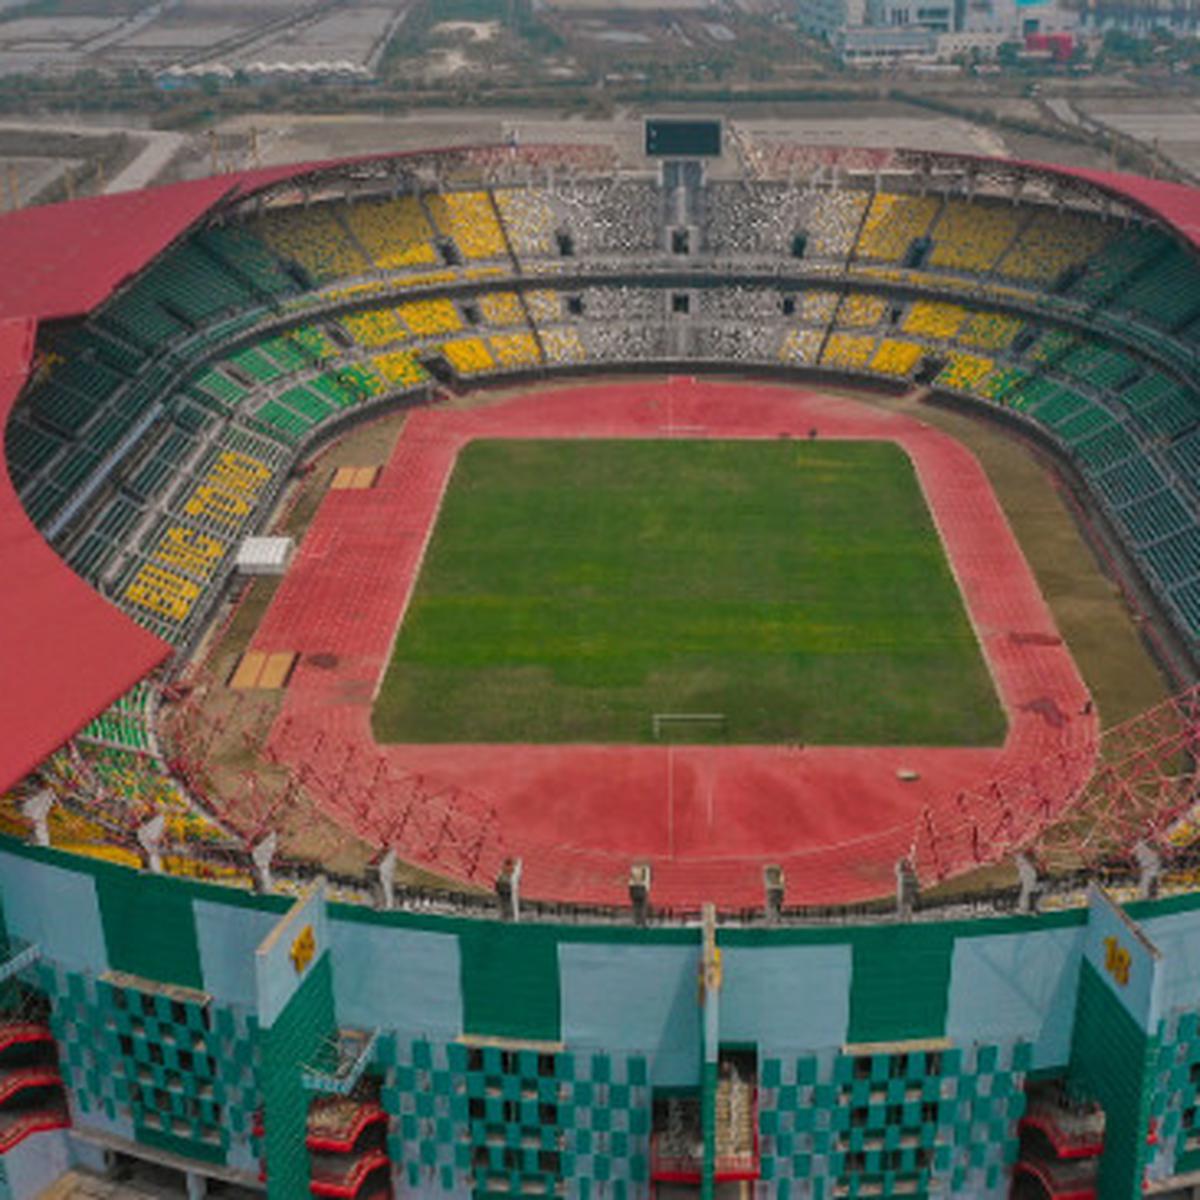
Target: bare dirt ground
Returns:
[[1172, 123], [44, 160]]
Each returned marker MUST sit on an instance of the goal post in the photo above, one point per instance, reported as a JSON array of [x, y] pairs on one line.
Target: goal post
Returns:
[[661, 723]]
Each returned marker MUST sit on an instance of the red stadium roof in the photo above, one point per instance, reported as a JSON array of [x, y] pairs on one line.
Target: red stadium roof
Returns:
[[1174, 203], [61, 260], [66, 653]]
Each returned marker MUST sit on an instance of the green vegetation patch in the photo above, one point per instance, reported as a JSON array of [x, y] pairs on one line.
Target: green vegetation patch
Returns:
[[573, 589]]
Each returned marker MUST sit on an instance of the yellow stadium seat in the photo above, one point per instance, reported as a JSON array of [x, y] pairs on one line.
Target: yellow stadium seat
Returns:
[[468, 356], [988, 330], [893, 222], [375, 327], [971, 236], [395, 233], [817, 308], [315, 239], [965, 372], [425, 317], [934, 319], [1051, 243], [895, 357], [847, 350], [862, 309], [468, 218], [501, 308], [515, 349], [401, 368]]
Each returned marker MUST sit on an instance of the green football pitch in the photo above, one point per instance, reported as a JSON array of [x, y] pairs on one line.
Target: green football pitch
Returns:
[[574, 589]]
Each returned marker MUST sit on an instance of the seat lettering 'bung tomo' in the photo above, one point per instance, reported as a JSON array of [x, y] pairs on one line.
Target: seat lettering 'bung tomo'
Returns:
[[226, 497]]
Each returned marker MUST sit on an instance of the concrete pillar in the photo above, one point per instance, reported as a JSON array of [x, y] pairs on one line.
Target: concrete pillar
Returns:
[[37, 809], [197, 1186], [1031, 887], [907, 888], [773, 885], [150, 836], [261, 856], [508, 890], [639, 892], [1150, 865], [386, 869]]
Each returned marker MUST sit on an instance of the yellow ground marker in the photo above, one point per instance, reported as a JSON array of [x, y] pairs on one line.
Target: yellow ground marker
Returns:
[[277, 669], [248, 670], [353, 478]]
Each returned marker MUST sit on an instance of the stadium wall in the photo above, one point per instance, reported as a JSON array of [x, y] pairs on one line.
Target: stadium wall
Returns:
[[964, 1014]]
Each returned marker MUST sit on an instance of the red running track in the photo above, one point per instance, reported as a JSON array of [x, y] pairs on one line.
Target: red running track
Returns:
[[706, 818]]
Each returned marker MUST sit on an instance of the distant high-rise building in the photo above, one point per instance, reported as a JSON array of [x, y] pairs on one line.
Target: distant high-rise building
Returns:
[[826, 18]]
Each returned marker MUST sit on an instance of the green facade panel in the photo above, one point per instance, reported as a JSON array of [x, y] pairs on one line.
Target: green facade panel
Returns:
[[305, 1023], [1111, 1059], [510, 981], [901, 982], [149, 928]]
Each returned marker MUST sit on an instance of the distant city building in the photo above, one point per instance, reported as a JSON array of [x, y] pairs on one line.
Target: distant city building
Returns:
[[932, 15], [1180, 17], [868, 46], [1017, 19], [828, 18], [967, 44], [873, 32]]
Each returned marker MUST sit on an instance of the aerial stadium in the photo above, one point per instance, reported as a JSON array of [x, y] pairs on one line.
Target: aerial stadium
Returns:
[[516, 683]]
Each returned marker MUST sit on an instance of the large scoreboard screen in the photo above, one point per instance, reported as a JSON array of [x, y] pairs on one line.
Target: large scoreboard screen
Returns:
[[671, 138]]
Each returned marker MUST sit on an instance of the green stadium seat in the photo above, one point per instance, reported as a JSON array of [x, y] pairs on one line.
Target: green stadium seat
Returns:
[[289, 423], [241, 253], [1176, 559], [1129, 480], [213, 385], [308, 404], [1187, 601], [1162, 405], [1156, 517], [1184, 454], [1109, 446], [284, 353], [1127, 253], [1168, 292], [29, 448], [91, 555], [256, 364]]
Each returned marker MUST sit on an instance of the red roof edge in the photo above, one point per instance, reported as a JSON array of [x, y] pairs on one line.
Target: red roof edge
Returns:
[[66, 653]]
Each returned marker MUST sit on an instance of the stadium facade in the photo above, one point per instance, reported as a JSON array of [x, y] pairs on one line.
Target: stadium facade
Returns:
[[173, 991]]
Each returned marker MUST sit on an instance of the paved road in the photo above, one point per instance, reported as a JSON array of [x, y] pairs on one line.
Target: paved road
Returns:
[[156, 149]]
